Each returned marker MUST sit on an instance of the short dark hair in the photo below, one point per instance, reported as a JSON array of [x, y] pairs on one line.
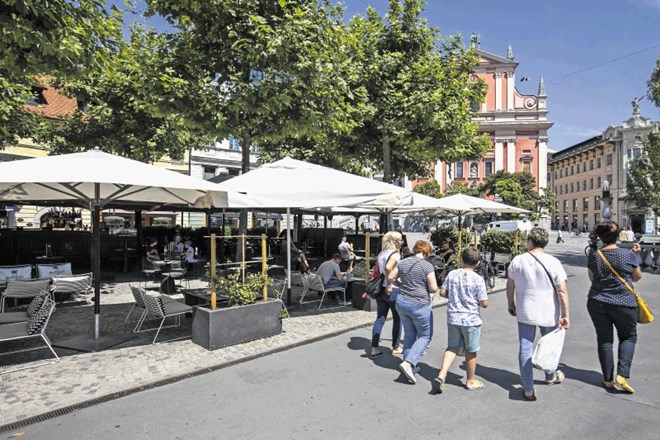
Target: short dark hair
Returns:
[[607, 231], [539, 237], [336, 256], [470, 256]]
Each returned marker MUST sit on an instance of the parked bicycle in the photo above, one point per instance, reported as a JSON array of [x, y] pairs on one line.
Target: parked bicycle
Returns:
[[487, 271], [577, 232]]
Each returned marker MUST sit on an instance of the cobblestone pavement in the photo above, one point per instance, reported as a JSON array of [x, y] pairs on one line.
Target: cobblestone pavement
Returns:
[[81, 377]]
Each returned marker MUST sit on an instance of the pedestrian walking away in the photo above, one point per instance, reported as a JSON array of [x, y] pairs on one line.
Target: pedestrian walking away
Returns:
[[560, 238], [465, 291], [611, 305], [537, 296], [386, 261], [417, 285]]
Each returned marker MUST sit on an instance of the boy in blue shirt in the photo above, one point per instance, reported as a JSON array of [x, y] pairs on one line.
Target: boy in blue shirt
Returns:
[[465, 291]]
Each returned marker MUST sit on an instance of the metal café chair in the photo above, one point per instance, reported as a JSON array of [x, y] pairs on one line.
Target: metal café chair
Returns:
[[159, 309]]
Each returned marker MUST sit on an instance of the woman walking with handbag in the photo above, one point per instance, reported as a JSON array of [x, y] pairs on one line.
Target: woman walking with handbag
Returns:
[[611, 305], [418, 284], [537, 296], [386, 261]]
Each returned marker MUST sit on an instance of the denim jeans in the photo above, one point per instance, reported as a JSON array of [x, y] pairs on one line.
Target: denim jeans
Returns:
[[417, 328], [334, 282], [526, 335], [383, 306], [624, 319]]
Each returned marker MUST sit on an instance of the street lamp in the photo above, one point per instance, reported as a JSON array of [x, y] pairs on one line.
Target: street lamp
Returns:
[[606, 212]]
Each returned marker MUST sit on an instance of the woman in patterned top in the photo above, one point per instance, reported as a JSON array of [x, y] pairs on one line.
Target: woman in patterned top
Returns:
[[611, 304], [417, 283]]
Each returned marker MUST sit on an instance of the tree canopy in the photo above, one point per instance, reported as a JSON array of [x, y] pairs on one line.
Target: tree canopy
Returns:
[[55, 37], [515, 189]]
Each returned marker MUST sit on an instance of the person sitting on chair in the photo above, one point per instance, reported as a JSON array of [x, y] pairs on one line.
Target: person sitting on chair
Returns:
[[445, 251], [347, 254], [302, 259], [188, 252], [331, 273], [175, 247], [152, 251]]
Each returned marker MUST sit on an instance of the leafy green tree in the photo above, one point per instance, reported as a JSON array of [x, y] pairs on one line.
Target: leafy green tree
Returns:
[[275, 68], [515, 189], [654, 84], [420, 96], [644, 175], [545, 203], [122, 107], [58, 37], [462, 188], [430, 188]]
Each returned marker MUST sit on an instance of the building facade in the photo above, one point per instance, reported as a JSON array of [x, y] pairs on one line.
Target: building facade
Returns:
[[577, 173], [517, 125]]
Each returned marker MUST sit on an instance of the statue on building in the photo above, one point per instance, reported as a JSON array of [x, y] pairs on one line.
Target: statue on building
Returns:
[[635, 104], [474, 41]]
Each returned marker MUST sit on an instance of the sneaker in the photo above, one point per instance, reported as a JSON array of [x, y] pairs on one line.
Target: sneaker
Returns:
[[397, 351], [621, 383], [407, 371]]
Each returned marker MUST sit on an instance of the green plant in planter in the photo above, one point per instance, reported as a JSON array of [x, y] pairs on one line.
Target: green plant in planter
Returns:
[[450, 235], [240, 292], [502, 242]]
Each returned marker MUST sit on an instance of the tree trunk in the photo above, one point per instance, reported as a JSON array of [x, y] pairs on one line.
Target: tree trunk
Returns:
[[245, 167], [383, 221]]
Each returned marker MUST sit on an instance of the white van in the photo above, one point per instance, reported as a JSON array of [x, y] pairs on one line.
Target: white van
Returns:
[[512, 225]]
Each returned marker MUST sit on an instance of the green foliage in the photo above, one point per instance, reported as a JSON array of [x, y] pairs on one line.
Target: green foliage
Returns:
[[545, 203], [450, 235], [462, 188], [58, 37], [502, 242], [122, 114], [654, 84], [430, 188], [240, 292], [420, 95], [515, 189], [644, 175]]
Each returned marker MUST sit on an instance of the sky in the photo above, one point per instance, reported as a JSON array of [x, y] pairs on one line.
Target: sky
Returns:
[[595, 55]]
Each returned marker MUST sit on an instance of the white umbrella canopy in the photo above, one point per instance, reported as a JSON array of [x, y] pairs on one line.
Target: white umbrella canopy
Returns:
[[73, 178], [291, 183], [95, 180], [461, 204]]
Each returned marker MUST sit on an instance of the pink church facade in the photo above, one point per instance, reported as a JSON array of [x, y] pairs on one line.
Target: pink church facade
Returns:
[[517, 125]]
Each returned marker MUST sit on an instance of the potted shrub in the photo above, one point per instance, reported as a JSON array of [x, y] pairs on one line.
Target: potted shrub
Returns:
[[241, 317]]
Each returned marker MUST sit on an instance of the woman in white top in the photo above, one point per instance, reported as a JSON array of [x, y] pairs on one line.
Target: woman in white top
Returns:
[[386, 260], [531, 296]]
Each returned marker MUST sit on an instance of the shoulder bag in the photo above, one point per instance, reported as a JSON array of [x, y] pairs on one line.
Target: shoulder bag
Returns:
[[375, 285], [645, 314]]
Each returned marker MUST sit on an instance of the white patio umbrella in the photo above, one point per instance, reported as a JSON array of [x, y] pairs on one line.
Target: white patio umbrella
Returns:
[[290, 183], [95, 180], [461, 204]]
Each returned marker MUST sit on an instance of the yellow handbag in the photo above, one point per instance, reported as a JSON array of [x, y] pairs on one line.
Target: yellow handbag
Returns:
[[645, 314]]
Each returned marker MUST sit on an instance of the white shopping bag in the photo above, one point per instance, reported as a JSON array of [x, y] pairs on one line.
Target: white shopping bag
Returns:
[[548, 351]]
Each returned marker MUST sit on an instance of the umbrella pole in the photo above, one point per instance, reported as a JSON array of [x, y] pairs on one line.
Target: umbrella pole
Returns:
[[288, 257], [96, 260]]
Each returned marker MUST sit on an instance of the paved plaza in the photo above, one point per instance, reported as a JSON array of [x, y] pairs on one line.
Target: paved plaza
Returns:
[[82, 379]]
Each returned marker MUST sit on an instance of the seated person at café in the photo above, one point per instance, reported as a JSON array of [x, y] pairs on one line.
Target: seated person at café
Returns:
[[295, 253], [445, 251], [347, 254], [152, 250], [175, 248], [188, 252], [331, 274]]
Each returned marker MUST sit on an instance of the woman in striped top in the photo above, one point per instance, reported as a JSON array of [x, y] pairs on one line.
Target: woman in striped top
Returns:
[[417, 284]]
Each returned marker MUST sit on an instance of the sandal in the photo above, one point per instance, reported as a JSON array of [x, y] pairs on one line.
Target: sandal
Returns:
[[529, 397], [376, 355], [397, 351], [476, 385], [559, 378], [621, 383], [438, 385]]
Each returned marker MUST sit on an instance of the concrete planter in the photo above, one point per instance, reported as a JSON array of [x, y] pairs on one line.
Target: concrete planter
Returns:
[[222, 327]]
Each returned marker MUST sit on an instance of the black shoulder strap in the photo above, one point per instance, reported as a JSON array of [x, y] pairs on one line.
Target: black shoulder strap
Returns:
[[546, 271]]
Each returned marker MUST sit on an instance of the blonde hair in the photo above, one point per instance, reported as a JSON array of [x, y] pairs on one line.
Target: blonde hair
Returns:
[[390, 239]]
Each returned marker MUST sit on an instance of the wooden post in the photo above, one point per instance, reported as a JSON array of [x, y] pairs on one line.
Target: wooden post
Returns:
[[515, 242], [212, 262], [264, 266]]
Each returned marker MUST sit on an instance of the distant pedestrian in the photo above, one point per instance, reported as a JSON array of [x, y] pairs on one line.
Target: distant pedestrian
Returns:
[[466, 293], [538, 297], [630, 234], [560, 238]]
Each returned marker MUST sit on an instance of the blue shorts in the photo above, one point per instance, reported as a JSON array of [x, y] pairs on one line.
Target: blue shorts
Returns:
[[460, 337]]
